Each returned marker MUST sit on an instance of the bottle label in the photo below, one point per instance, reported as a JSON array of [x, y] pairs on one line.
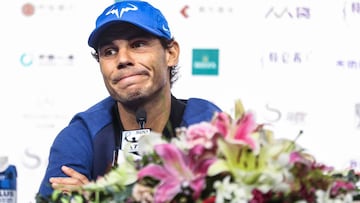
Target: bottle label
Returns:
[[8, 185], [7, 196]]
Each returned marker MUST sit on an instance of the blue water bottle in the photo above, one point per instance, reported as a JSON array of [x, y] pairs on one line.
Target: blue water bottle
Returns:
[[8, 177]]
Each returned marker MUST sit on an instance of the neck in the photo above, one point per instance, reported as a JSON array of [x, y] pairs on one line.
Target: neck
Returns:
[[157, 114]]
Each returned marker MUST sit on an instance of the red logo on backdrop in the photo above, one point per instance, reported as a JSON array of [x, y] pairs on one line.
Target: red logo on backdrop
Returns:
[[184, 11], [28, 9]]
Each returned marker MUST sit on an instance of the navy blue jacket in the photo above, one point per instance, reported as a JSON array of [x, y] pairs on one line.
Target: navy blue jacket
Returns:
[[88, 142]]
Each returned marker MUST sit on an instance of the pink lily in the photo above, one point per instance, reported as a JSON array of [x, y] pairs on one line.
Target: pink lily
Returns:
[[222, 122], [178, 169], [245, 126]]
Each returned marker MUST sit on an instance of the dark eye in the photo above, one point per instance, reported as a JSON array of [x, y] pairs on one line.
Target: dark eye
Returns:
[[107, 52], [110, 52], [139, 43]]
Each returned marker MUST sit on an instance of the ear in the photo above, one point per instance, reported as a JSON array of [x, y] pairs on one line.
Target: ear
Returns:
[[173, 53]]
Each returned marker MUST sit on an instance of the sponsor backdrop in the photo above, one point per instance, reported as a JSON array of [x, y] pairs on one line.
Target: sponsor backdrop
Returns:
[[296, 64]]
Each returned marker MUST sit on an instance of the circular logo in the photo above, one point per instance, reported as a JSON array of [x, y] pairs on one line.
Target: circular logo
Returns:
[[28, 9], [26, 60]]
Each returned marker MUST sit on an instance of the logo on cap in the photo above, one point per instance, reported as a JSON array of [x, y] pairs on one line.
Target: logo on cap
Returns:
[[123, 10]]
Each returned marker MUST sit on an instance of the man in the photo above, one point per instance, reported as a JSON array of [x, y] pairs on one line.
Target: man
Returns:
[[138, 59]]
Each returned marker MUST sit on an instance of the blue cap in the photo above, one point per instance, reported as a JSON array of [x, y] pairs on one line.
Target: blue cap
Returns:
[[136, 12]]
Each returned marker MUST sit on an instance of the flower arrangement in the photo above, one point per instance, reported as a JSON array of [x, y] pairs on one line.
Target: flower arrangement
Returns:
[[227, 160]]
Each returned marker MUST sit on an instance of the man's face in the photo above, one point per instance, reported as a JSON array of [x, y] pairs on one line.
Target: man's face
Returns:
[[133, 63]]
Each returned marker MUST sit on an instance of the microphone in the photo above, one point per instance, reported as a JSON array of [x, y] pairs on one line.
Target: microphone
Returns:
[[141, 117]]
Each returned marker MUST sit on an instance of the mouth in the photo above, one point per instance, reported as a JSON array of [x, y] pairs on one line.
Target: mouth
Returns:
[[129, 79], [124, 77]]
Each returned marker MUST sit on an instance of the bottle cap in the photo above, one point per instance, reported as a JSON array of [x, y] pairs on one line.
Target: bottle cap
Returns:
[[4, 163]]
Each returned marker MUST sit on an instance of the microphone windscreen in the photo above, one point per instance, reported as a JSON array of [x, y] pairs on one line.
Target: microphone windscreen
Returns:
[[140, 115]]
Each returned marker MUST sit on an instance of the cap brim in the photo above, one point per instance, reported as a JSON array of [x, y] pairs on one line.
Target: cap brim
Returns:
[[94, 36]]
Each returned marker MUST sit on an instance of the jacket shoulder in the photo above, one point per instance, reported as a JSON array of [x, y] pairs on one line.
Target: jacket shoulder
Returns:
[[97, 116], [198, 110]]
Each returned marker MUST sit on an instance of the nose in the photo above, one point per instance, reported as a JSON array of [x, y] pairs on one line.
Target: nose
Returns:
[[124, 58]]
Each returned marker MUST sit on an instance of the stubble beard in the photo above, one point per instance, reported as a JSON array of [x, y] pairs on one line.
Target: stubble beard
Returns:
[[134, 100]]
